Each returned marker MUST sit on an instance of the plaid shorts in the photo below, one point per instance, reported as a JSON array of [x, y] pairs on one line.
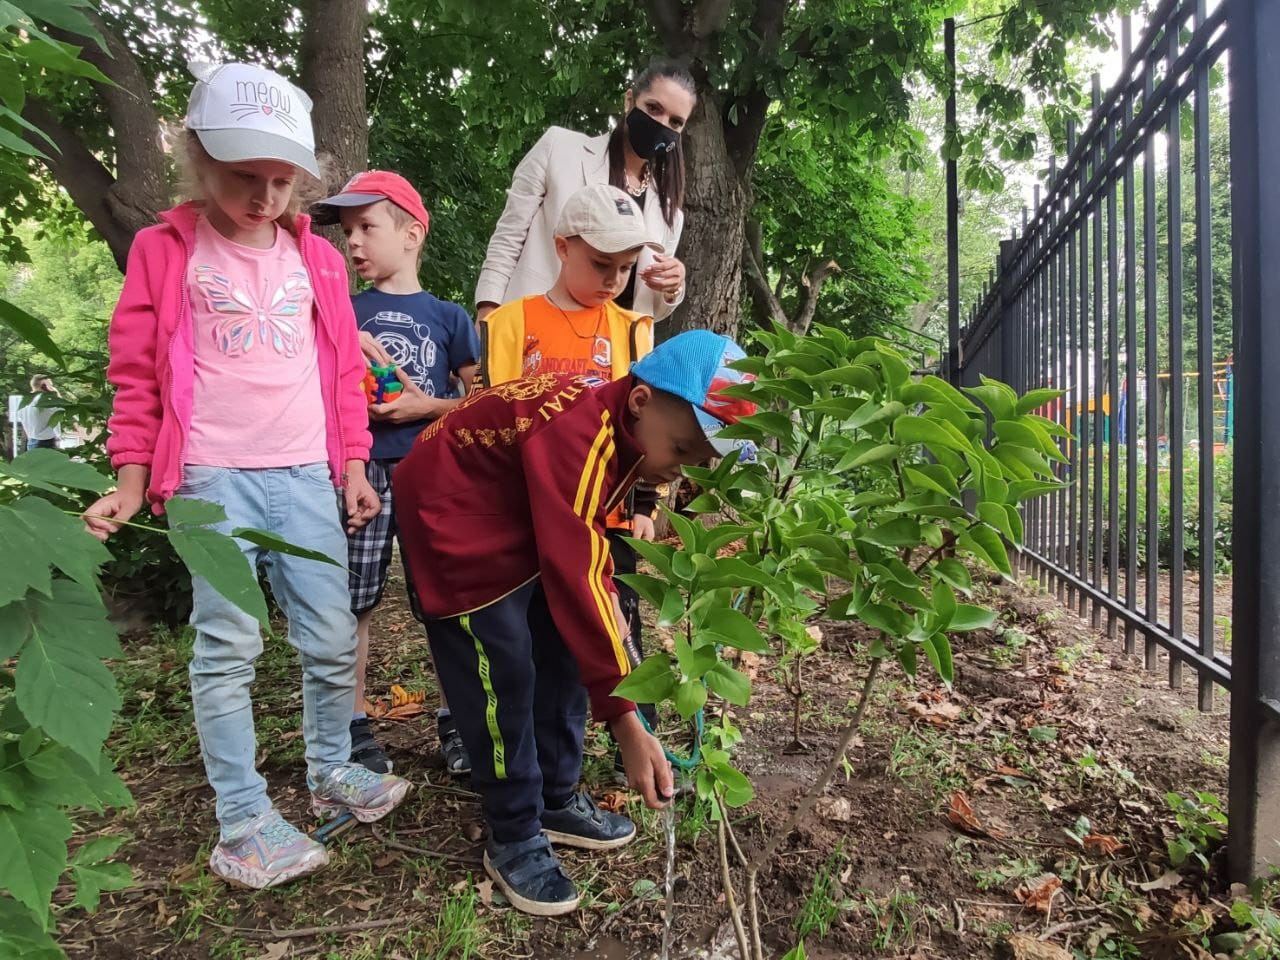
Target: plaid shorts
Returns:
[[369, 548]]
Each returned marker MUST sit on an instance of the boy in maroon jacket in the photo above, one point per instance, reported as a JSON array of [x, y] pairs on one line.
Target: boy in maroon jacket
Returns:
[[502, 504]]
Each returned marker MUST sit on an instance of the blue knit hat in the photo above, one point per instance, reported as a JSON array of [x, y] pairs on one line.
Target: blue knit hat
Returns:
[[694, 366]]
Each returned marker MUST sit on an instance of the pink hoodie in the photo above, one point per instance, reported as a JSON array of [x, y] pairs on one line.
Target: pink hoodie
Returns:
[[152, 358]]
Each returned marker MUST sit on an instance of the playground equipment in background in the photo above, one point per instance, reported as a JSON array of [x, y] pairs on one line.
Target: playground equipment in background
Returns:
[[1077, 416]]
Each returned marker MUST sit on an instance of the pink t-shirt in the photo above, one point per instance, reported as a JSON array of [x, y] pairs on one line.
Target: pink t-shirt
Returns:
[[256, 400]]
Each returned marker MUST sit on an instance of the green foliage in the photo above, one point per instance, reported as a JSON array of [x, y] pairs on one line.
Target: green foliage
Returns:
[[57, 697], [854, 510], [1202, 826]]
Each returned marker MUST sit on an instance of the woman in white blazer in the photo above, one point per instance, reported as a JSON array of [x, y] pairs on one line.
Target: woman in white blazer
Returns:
[[641, 155]]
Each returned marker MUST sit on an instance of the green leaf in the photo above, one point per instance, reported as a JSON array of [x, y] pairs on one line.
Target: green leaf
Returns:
[[944, 604], [737, 788], [704, 503], [63, 540], [902, 532], [28, 570], [672, 609], [21, 935], [969, 617], [736, 572], [919, 478], [694, 661], [690, 697], [907, 657], [995, 515], [270, 541], [1021, 490], [938, 649], [1034, 399], [29, 328], [651, 682], [93, 876], [652, 589], [1043, 734], [999, 399], [191, 512], [955, 573], [731, 628], [62, 685], [60, 777], [724, 681], [932, 433], [985, 543], [877, 454], [658, 554], [885, 618], [216, 557], [54, 471], [33, 854]]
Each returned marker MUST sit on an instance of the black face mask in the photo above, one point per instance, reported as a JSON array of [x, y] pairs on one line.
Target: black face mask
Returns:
[[648, 137]]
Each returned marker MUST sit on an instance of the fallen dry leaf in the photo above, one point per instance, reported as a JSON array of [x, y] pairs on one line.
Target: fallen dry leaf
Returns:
[[485, 890], [1038, 894], [404, 711], [401, 696], [1101, 843], [1024, 947], [838, 809], [1166, 881], [275, 950], [473, 830], [613, 801], [1184, 910], [960, 813], [387, 859], [1050, 802]]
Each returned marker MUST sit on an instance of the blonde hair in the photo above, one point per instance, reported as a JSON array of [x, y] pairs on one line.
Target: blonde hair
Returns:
[[190, 157]]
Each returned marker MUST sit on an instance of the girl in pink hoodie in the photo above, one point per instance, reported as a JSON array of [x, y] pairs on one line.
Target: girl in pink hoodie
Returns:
[[237, 367]]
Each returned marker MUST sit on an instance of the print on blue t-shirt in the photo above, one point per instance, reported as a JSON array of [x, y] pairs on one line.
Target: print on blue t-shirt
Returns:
[[428, 338]]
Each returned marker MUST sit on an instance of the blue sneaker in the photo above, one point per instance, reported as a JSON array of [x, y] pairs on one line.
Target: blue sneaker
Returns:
[[265, 851], [580, 823], [529, 875], [348, 786]]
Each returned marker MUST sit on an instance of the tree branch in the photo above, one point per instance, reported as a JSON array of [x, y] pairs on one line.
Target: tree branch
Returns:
[[813, 287], [709, 17], [757, 283], [82, 175], [742, 137]]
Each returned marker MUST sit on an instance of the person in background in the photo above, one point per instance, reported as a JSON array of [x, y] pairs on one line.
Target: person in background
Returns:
[[35, 417], [237, 369], [431, 342], [642, 154]]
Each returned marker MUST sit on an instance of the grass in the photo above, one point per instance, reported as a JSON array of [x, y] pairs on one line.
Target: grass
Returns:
[[895, 917], [826, 899]]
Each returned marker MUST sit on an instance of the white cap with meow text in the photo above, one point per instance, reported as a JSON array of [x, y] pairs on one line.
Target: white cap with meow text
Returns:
[[241, 111]]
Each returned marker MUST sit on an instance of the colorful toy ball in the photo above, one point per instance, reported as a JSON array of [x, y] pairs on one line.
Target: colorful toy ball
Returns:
[[381, 385]]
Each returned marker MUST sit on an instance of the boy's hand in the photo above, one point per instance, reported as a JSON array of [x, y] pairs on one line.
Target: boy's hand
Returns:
[[642, 527], [648, 771], [104, 517], [361, 499], [666, 275], [412, 404], [372, 349]]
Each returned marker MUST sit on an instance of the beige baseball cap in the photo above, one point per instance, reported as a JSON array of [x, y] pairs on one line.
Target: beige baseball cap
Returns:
[[606, 218]]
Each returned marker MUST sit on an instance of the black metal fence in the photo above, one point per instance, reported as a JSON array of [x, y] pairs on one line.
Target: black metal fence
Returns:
[[1138, 286]]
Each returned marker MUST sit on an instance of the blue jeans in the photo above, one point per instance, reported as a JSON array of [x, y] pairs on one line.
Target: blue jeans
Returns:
[[297, 504], [33, 444]]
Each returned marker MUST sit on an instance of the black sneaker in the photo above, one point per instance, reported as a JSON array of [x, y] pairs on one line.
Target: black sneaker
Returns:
[[365, 750], [530, 876], [580, 823], [456, 759]]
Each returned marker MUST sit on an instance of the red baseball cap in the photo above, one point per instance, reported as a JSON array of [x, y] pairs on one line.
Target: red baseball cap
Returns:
[[370, 187]]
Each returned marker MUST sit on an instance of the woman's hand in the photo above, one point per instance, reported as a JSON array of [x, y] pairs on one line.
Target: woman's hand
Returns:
[[106, 514], [665, 275], [362, 500], [484, 309]]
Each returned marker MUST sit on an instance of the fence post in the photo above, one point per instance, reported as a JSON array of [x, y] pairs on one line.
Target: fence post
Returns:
[[953, 214], [1007, 322], [1254, 835]]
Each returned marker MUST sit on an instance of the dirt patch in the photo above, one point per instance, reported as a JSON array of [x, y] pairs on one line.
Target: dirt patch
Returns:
[[1050, 735]]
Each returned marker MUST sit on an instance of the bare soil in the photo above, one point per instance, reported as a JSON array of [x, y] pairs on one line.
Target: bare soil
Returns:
[[1052, 735]]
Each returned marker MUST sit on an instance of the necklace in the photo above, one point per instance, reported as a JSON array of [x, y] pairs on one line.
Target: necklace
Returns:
[[643, 185], [595, 332]]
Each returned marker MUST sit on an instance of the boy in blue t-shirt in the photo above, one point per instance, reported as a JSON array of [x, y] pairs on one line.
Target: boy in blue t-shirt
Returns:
[[431, 342]]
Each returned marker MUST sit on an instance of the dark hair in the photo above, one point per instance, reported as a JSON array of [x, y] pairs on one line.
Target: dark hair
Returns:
[[668, 167]]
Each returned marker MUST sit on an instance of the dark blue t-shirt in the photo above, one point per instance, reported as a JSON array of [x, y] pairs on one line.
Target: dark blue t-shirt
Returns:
[[428, 338]]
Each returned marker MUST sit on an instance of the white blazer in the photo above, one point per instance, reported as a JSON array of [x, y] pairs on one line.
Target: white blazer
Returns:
[[521, 260]]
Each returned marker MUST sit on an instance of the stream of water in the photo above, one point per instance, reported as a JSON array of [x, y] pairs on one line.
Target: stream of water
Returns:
[[668, 917]]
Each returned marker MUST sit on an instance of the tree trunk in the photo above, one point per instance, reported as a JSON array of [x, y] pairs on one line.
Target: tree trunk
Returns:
[[332, 62], [716, 204]]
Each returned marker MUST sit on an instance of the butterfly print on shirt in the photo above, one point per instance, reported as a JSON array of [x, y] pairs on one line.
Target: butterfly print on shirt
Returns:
[[246, 321]]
